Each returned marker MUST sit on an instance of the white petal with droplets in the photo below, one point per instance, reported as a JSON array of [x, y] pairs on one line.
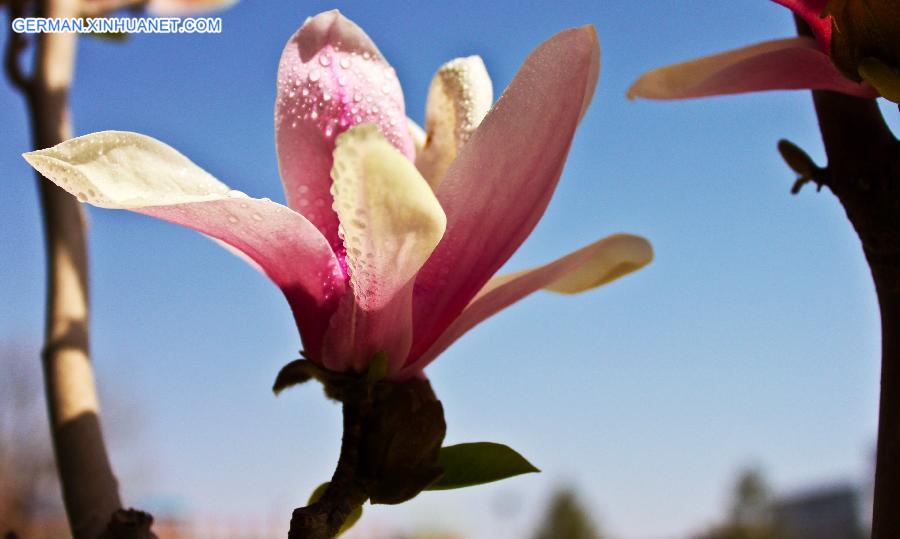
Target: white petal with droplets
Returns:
[[390, 219], [460, 96]]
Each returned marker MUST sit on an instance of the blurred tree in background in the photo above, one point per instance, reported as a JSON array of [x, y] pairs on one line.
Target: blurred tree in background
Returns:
[[566, 518], [29, 491], [750, 514]]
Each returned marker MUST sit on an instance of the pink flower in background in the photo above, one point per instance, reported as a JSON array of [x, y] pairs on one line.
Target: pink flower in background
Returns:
[[391, 237], [784, 64]]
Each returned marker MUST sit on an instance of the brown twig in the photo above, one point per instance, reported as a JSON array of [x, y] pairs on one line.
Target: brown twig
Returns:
[[324, 518], [864, 174], [90, 490]]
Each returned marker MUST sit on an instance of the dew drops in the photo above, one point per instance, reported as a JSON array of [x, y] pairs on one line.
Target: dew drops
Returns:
[[256, 217], [345, 62], [325, 60], [314, 75], [232, 219]]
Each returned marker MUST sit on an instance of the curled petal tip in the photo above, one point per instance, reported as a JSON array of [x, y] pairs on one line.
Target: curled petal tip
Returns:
[[613, 257], [331, 28], [591, 30]]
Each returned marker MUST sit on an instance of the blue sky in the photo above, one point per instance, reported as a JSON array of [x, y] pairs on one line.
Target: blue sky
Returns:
[[751, 339]]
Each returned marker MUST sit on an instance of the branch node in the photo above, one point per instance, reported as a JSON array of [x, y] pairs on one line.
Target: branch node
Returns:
[[801, 163], [129, 524]]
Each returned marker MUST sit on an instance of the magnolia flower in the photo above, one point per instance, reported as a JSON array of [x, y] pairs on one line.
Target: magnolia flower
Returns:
[[783, 64], [372, 253]]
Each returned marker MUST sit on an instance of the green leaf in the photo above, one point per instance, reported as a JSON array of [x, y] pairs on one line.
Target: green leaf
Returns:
[[882, 77], [466, 465], [797, 159], [296, 372], [378, 368], [351, 520]]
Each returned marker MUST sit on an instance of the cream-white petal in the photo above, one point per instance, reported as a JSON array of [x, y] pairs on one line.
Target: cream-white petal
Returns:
[[390, 219], [460, 96], [119, 169]]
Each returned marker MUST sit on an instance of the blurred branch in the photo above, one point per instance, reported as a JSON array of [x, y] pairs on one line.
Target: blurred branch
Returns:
[[90, 490], [14, 49], [864, 173], [102, 8]]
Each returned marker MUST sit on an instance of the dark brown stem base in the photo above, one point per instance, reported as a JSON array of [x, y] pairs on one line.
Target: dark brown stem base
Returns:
[[324, 518], [864, 173]]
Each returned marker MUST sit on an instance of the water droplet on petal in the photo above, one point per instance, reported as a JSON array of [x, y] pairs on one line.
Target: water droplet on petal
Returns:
[[256, 217], [232, 219], [314, 75], [325, 60], [345, 62]]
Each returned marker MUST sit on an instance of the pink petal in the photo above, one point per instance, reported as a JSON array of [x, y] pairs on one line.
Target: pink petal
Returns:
[[286, 246], [587, 268], [122, 170], [355, 334], [499, 186], [811, 11], [331, 77], [785, 64]]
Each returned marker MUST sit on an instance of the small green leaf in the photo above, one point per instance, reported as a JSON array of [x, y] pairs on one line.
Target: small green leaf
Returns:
[[378, 368], [351, 520], [296, 372], [797, 159], [882, 77], [466, 465], [316, 494]]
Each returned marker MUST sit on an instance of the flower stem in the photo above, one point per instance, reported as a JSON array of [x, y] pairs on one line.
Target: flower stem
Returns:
[[864, 174], [324, 518]]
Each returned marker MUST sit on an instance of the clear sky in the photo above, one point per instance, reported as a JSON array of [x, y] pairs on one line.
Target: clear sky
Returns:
[[751, 339]]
